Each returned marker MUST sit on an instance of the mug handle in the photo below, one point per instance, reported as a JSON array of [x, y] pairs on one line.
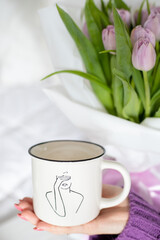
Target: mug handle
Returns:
[[111, 202]]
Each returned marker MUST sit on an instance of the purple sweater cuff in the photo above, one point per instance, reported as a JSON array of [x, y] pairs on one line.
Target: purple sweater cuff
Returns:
[[143, 223]]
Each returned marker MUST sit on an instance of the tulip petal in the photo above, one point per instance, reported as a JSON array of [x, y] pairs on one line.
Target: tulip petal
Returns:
[[140, 32], [153, 23], [108, 37], [143, 55]]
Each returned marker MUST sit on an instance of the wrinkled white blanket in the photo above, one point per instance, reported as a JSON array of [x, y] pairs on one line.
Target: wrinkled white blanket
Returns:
[[27, 117]]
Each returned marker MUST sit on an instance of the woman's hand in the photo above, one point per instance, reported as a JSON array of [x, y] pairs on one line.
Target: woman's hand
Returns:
[[109, 221]]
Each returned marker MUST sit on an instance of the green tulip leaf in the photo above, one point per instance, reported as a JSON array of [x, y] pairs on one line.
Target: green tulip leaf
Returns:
[[88, 53], [95, 33], [109, 5], [102, 20], [139, 84], [123, 46], [87, 76], [104, 10], [117, 89], [90, 58], [121, 5], [140, 13], [132, 104], [148, 7], [155, 102], [157, 114], [107, 51], [156, 76]]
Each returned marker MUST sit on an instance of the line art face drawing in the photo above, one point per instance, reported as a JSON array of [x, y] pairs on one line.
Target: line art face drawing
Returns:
[[62, 198]]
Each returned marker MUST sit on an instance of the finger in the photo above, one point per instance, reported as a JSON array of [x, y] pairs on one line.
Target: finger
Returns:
[[25, 205], [27, 199], [29, 216], [61, 230]]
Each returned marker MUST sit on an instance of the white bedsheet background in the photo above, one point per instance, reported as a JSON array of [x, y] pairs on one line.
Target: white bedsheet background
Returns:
[[26, 114], [27, 117], [24, 57]]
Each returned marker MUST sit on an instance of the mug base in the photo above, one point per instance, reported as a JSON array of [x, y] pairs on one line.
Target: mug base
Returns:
[[66, 223]]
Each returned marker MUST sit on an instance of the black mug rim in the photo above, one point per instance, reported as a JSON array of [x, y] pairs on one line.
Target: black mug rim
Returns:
[[54, 160]]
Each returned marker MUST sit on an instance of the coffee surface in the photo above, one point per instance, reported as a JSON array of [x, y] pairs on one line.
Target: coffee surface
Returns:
[[67, 150]]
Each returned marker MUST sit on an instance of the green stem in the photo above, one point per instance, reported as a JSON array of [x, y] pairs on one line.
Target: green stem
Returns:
[[148, 8], [147, 94], [157, 47]]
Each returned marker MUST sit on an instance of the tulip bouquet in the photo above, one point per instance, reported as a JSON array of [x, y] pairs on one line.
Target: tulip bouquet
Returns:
[[121, 56]]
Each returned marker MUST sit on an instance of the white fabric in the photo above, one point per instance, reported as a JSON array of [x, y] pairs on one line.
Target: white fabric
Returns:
[[135, 145], [27, 117], [26, 114], [24, 56], [17, 229]]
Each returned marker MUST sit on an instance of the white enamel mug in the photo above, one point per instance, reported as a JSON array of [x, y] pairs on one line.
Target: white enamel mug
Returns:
[[67, 181]]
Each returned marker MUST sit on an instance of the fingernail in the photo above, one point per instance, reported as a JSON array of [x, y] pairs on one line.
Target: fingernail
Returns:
[[38, 229], [19, 215], [18, 207]]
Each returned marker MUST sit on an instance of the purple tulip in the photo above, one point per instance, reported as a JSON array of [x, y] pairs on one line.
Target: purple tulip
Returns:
[[140, 32], [124, 14], [143, 55], [153, 23], [108, 38], [144, 16], [85, 30], [155, 10]]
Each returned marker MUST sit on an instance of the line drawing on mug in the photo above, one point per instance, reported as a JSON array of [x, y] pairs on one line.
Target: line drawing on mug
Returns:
[[62, 198]]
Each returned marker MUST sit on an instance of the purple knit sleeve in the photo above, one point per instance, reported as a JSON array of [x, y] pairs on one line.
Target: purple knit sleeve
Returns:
[[143, 222]]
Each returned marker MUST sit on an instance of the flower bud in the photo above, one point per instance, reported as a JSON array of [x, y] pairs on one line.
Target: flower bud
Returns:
[[108, 38], [140, 32], [155, 10], [153, 23], [143, 55], [124, 14], [144, 16], [85, 30]]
